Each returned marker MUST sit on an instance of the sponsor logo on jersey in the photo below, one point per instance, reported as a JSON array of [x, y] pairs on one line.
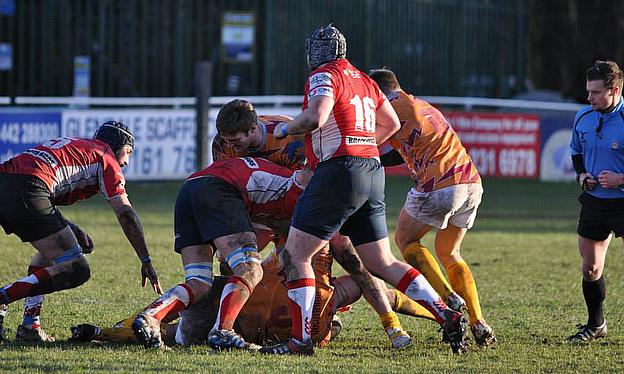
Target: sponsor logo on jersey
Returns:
[[321, 91], [250, 162], [320, 79], [352, 73], [43, 155], [358, 140]]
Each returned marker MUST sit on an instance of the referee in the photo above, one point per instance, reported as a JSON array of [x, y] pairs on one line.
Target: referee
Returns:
[[597, 149]]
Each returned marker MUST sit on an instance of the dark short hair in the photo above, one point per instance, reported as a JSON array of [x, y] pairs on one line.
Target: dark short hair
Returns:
[[386, 79], [236, 116], [607, 71]]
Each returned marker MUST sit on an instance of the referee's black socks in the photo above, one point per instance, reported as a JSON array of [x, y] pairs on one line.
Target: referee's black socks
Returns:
[[594, 293]]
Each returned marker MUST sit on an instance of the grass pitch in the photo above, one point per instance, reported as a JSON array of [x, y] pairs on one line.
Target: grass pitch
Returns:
[[522, 252]]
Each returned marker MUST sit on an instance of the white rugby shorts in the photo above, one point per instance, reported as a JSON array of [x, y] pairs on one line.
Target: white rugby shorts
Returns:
[[456, 205]]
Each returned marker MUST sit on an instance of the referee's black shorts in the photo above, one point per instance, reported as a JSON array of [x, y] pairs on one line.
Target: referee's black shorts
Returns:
[[599, 217]]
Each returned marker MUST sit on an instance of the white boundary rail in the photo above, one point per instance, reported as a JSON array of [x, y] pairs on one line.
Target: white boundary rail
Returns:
[[276, 101]]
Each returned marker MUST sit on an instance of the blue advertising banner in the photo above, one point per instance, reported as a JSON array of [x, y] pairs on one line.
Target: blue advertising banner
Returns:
[[555, 163], [22, 130], [7, 7]]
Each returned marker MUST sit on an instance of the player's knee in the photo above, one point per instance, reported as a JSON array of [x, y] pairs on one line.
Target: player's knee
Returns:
[[399, 241], [250, 272], [199, 276], [81, 271], [591, 272], [246, 262], [71, 273]]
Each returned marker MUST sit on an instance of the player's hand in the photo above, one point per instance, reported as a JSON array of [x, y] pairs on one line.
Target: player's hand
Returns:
[[83, 238], [587, 181], [148, 272], [280, 130], [610, 179]]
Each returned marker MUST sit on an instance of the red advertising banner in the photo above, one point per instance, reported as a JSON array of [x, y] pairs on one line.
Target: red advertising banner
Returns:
[[500, 144]]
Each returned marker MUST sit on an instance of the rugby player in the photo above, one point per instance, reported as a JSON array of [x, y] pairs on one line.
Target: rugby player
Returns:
[[344, 117], [212, 212], [265, 317], [446, 196], [241, 132], [63, 172]]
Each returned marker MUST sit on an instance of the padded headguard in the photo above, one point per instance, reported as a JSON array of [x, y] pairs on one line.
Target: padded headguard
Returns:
[[115, 134], [325, 44]]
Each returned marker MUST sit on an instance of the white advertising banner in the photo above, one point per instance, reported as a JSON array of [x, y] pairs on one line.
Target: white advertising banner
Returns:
[[164, 139]]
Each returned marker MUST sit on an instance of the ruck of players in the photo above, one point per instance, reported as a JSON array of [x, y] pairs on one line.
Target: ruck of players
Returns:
[[284, 200]]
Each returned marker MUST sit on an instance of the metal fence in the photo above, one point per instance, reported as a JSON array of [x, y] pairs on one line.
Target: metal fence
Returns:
[[149, 48]]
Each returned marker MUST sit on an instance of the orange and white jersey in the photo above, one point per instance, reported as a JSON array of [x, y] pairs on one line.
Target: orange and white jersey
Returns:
[[287, 151], [432, 150]]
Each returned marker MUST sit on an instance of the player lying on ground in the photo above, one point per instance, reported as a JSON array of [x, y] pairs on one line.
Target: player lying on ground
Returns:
[[212, 211], [265, 318], [242, 133]]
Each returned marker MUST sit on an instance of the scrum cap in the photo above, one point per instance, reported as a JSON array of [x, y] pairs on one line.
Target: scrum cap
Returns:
[[115, 134], [325, 44]]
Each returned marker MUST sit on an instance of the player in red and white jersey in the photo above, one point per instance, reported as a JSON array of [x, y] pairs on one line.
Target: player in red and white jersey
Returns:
[[211, 213], [62, 172], [344, 117], [243, 133], [72, 169], [350, 128], [266, 188]]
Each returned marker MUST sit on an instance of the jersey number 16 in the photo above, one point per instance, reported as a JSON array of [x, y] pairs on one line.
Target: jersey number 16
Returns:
[[364, 113]]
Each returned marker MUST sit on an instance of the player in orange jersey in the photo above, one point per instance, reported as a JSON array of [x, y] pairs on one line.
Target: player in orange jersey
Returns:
[[446, 196], [243, 133], [265, 317]]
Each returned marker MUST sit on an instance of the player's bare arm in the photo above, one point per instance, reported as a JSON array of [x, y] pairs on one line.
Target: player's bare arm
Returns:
[[313, 117], [387, 122], [132, 228]]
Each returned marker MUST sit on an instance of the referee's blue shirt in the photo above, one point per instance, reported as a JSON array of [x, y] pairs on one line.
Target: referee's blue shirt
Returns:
[[599, 137]]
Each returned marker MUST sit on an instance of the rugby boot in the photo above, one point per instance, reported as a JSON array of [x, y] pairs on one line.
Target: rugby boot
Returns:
[[147, 331], [289, 347], [400, 339], [229, 340], [32, 335], [336, 327], [456, 302], [587, 333], [483, 334], [3, 311], [454, 331], [84, 332]]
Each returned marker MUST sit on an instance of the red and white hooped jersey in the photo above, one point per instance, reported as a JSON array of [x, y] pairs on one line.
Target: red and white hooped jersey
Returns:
[[72, 169], [350, 128], [268, 190]]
